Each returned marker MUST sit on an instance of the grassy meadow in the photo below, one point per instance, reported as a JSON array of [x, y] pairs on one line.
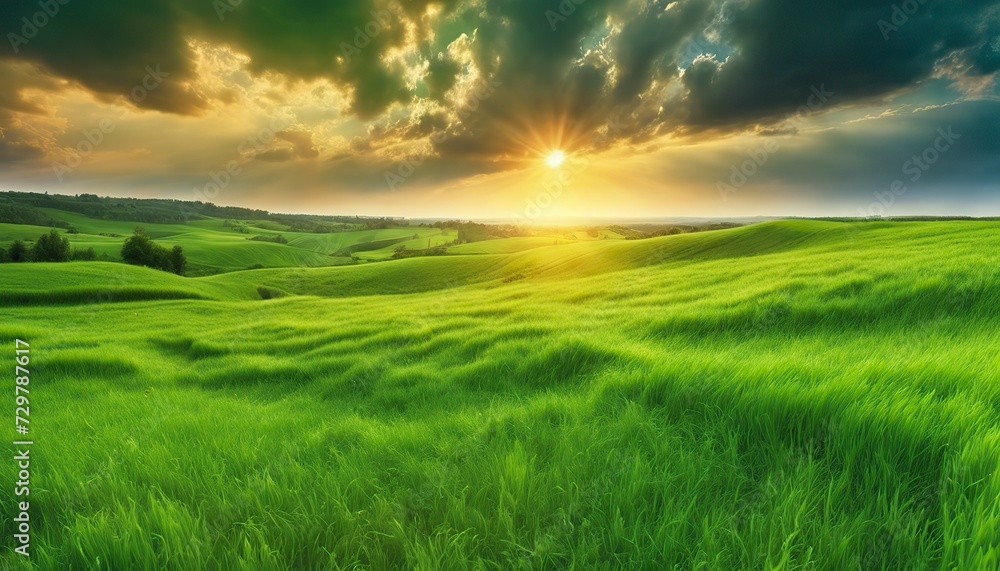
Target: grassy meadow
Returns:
[[787, 395], [211, 247]]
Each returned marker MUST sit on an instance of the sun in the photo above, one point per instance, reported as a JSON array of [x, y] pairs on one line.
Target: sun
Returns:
[[555, 159]]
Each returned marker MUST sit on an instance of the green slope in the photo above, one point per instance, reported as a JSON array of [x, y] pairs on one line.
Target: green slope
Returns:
[[774, 245], [211, 247], [507, 245], [792, 395]]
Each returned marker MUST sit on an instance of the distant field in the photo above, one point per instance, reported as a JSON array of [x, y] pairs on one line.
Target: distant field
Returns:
[[211, 247], [788, 395], [507, 245]]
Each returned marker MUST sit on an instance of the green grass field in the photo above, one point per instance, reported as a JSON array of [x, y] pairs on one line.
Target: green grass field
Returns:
[[788, 395], [210, 247]]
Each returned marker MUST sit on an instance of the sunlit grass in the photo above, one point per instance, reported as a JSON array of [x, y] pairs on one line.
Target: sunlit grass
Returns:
[[210, 247], [794, 395]]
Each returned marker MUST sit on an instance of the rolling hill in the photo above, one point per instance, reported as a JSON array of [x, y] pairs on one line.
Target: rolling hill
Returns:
[[789, 395]]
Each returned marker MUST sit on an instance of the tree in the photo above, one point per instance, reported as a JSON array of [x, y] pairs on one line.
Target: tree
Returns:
[[4, 256], [51, 247], [18, 252], [139, 250], [178, 263]]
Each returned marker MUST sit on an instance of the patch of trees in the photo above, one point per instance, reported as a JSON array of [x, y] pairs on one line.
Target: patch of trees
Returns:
[[85, 255], [11, 213], [904, 219], [140, 250], [401, 251], [644, 231], [277, 239], [237, 226], [49, 247], [331, 224], [368, 246], [23, 208], [475, 232], [147, 210]]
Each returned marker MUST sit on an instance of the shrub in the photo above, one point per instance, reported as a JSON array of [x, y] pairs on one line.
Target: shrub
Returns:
[[277, 239], [18, 252], [88, 255], [51, 247], [237, 225], [269, 293]]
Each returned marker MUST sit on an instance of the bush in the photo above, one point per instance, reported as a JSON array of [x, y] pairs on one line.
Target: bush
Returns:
[[269, 293], [87, 255], [50, 247], [237, 225], [18, 252], [277, 239]]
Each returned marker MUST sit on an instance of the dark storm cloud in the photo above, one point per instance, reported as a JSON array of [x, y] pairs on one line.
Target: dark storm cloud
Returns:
[[105, 46], [859, 49], [853, 162], [646, 48]]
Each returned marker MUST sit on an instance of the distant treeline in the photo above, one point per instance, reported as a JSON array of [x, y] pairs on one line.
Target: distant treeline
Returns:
[[643, 231], [476, 232], [906, 219], [23, 208]]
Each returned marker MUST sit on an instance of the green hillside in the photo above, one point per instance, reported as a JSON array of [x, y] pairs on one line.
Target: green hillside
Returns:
[[211, 247], [789, 395]]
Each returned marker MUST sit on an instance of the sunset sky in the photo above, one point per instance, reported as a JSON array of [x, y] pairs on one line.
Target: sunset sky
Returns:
[[454, 108]]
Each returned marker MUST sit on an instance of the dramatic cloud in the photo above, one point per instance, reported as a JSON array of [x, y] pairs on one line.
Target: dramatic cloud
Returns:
[[467, 87], [859, 50]]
